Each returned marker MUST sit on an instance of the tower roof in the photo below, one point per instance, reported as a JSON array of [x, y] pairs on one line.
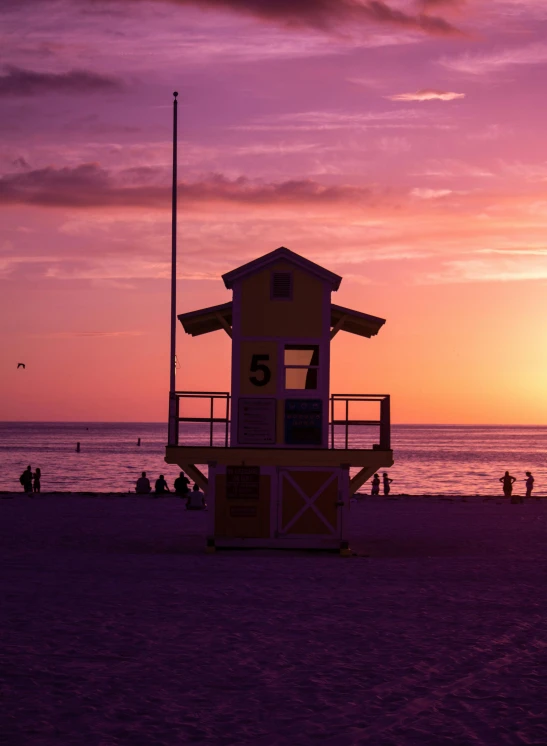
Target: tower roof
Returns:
[[217, 317], [281, 254]]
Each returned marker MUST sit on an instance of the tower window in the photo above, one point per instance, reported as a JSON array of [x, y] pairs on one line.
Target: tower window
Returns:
[[301, 367], [282, 285]]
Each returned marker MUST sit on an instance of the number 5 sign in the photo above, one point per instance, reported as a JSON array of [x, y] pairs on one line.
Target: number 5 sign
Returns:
[[258, 368], [260, 363]]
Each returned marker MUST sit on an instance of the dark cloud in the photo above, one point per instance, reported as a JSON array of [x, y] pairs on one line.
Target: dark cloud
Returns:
[[21, 162], [329, 13], [441, 3], [89, 186], [16, 81], [218, 188], [323, 14]]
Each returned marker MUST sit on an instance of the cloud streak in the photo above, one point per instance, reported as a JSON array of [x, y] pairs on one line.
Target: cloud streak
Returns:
[[479, 270], [427, 94], [497, 60], [328, 14], [17, 81], [430, 193], [71, 335], [89, 185]]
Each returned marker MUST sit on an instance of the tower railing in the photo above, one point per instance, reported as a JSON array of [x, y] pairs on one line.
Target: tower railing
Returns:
[[211, 419], [383, 423]]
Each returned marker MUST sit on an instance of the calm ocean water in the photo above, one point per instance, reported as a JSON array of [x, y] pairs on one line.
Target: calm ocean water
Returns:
[[429, 459]]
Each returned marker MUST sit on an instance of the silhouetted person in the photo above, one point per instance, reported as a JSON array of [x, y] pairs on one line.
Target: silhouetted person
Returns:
[[529, 484], [161, 486], [26, 479], [37, 478], [508, 482], [182, 485], [196, 499], [375, 485], [387, 482], [143, 485]]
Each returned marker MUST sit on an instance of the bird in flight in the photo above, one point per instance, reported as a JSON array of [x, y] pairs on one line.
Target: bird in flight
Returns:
[[20, 365]]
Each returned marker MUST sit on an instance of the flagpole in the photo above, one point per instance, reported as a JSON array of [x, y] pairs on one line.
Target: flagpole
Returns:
[[173, 414]]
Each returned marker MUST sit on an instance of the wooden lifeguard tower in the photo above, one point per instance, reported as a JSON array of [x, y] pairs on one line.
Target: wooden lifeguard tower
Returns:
[[281, 477]]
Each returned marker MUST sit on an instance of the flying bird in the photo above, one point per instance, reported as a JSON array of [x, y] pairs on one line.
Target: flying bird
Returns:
[[20, 365]]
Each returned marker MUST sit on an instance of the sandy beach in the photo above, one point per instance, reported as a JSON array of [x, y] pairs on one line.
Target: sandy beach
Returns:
[[119, 629]]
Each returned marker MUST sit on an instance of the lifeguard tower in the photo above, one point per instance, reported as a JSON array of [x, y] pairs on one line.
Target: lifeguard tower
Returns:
[[281, 475]]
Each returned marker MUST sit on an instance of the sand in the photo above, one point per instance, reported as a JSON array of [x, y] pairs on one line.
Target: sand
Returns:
[[119, 629]]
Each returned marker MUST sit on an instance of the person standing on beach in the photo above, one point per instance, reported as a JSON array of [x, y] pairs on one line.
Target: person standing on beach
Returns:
[[143, 485], [508, 482], [161, 486], [529, 484], [26, 479], [387, 482], [375, 485], [37, 477]]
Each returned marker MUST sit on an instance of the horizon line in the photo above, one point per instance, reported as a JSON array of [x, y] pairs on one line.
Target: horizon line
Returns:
[[155, 422]]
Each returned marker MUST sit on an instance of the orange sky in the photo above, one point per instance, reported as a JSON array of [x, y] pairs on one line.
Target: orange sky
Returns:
[[404, 151]]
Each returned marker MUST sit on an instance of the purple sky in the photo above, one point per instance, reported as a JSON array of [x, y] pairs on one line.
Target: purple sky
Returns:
[[399, 144]]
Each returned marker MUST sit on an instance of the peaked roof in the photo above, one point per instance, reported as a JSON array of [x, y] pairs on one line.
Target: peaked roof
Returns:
[[281, 254]]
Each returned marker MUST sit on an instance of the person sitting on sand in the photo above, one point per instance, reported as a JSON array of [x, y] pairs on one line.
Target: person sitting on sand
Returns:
[[387, 482], [529, 484], [182, 485], [196, 500], [37, 477], [375, 485], [508, 482], [143, 485], [161, 486], [26, 479]]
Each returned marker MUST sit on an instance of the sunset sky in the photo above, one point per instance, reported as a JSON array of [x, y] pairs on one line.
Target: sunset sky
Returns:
[[400, 144]]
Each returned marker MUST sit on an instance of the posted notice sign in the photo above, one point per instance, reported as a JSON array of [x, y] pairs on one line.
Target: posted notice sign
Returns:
[[303, 422], [256, 421], [243, 482]]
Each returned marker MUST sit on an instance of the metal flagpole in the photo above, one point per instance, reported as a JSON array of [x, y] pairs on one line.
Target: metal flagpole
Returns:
[[172, 436]]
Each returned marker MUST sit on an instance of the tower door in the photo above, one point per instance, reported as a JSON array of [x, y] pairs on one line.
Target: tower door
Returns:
[[309, 502]]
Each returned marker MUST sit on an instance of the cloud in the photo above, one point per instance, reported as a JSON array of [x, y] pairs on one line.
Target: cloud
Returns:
[[430, 193], [515, 252], [17, 81], [89, 185], [328, 14], [20, 162], [426, 94], [454, 169], [495, 61], [528, 265], [318, 121], [71, 335], [427, 4], [394, 145]]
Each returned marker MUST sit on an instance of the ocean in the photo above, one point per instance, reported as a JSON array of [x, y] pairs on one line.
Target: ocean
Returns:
[[429, 459]]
